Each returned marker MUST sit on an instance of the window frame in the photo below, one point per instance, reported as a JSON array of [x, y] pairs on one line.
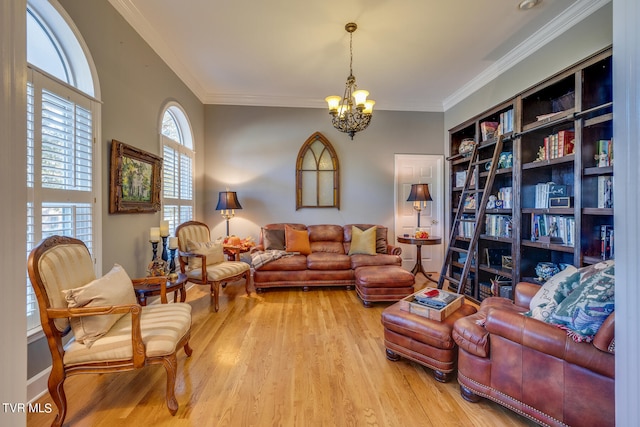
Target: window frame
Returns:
[[81, 90], [184, 147]]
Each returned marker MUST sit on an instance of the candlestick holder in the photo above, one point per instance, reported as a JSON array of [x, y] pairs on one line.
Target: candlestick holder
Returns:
[[165, 255], [172, 263], [154, 246]]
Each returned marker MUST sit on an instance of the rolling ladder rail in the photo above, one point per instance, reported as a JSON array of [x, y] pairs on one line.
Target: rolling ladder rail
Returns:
[[480, 209]]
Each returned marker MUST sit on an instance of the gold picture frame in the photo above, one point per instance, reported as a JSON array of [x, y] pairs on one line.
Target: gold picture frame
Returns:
[[135, 180]]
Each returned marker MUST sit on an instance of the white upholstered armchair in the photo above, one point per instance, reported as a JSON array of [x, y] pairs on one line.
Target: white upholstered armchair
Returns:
[[111, 332], [203, 261]]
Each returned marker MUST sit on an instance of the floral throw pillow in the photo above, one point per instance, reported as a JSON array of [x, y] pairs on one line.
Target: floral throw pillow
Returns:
[[583, 312], [553, 292]]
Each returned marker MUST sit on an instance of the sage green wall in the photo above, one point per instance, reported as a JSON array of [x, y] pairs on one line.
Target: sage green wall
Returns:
[[253, 150], [135, 85], [582, 40]]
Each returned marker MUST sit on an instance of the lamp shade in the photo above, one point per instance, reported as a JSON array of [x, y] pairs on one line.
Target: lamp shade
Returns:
[[419, 193], [228, 200]]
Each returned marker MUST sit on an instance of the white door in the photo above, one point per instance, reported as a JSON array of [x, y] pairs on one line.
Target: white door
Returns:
[[419, 169]]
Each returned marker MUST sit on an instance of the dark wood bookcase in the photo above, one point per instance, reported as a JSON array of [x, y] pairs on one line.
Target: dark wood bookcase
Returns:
[[557, 141]]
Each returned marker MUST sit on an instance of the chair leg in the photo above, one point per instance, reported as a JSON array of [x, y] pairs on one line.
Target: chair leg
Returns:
[[247, 278], [215, 290], [56, 390], [171, 366]]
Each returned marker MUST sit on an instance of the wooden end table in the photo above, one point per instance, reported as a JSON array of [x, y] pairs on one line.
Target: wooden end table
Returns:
[[418, 268], [233, 252], [150, 287]]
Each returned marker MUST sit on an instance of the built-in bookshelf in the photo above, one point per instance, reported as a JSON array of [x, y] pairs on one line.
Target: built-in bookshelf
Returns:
[[553, 190]]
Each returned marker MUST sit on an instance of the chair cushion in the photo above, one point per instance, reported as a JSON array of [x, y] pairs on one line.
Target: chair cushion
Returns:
[[212, 250], [297, 240], [162, 326], [114, 288], [220, 271], [363, 242]]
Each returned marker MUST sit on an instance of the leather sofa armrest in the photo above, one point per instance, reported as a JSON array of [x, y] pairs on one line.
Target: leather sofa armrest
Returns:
[[469, 333], [548, 339], [394, 250], [605, 337], [524, 293]]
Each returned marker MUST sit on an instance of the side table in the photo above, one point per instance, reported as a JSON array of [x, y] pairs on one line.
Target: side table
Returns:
[[152, 286], [418, 268], [233, 252]]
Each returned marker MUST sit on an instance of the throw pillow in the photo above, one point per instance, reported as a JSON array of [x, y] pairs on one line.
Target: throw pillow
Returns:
[[212, 250], [273, 239], [582, 313], [297, 240], [363, 242], [554, 290], [114, 288], [381, 240]]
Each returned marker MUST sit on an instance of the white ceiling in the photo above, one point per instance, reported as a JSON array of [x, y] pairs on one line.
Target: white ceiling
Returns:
[[411, 55]]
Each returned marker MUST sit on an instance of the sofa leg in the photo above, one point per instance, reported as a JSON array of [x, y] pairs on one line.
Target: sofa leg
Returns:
[[468, 395], [305, 289], [442, 377], [367, 304], [259, 290], [394, 357], [349, 287]]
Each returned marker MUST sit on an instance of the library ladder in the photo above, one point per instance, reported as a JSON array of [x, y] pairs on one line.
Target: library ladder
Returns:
[[456, 243]]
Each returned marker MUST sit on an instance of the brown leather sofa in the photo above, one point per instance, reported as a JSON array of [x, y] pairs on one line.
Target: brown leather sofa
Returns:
[[328, 264], [534, 368]]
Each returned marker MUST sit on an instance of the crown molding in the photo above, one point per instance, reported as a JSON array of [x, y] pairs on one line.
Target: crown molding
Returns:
[[571, 16], [140, 25]]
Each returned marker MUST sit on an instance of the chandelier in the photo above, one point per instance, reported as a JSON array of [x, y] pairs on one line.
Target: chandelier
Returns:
[[352, 112]]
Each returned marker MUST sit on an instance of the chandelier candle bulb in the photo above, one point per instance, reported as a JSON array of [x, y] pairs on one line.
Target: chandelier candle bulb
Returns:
[[154, 234], [360, 97], [164, 228]]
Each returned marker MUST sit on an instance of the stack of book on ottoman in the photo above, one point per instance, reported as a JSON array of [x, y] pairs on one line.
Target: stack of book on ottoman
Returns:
[[432, 303]]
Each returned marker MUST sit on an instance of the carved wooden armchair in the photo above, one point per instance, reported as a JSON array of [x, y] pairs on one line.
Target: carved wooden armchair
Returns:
[[204, 262], [111, 331]]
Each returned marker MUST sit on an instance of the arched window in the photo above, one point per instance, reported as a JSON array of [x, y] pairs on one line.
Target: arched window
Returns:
[[178, 155], [317, 174], [63, 166]]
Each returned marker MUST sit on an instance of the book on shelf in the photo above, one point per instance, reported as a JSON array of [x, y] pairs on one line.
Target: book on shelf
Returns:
[[488, 130], [547, 190], [604, 156], [606, 242], [559, 144], [506, 121], [605, 191], [553, 228], [498, 225]]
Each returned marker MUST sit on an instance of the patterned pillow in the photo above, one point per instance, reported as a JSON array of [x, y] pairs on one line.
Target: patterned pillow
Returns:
[[582, 313], [554, 291], [212, 250]]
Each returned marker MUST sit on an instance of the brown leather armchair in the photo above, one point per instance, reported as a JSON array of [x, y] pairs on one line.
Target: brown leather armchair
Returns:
[[534, 368]]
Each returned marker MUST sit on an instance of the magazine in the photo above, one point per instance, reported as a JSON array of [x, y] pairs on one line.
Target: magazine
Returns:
[[434, 298]]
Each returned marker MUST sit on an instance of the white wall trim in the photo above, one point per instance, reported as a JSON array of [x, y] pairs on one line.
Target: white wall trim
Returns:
[[626, 128]]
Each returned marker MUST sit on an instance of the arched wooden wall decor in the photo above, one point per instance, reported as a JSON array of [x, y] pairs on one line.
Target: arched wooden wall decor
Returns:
[[317, 174]]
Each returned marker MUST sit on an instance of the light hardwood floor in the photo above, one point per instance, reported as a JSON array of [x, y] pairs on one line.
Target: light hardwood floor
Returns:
[[280, 358]]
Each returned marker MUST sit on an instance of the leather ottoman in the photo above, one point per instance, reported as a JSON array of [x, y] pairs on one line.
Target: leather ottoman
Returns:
[[383, 283], [425, 341]]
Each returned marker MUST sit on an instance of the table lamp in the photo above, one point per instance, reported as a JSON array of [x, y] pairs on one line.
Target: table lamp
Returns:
[[419, 193], [227, 204]]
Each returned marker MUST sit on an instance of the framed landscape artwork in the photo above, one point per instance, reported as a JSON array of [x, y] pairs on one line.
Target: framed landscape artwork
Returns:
[[135, 180]]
